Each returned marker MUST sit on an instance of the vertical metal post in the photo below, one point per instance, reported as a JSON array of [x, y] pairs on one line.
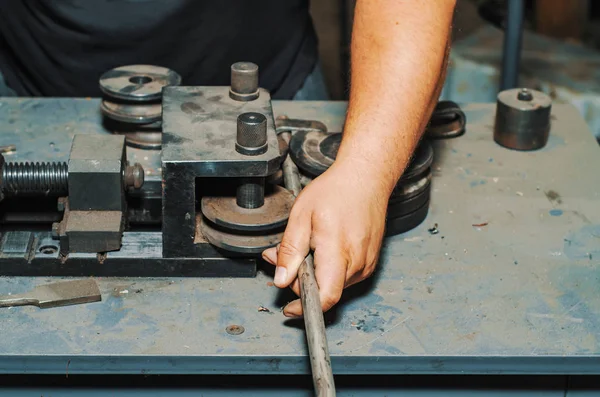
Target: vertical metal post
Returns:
[[513, 34]]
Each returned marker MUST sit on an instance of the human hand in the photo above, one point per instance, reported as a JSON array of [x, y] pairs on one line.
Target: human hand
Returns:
[[341, 217]]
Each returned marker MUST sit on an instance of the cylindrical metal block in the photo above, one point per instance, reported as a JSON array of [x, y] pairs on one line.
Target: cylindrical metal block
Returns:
[[251, 193], [251, 134], [522, 119], [244, 81]]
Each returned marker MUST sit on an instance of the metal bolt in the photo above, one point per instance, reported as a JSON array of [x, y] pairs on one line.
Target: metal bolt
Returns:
[[134, 176], [61, 204], [244, 81], [524, 95], [55, 230], [251, 134], [235, 329]]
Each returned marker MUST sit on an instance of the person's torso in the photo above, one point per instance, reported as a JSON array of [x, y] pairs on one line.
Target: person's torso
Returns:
[[60, 48]]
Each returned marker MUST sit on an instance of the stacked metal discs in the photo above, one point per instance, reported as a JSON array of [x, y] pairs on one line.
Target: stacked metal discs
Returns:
[[315, 151], [409, 203], [132, 102]]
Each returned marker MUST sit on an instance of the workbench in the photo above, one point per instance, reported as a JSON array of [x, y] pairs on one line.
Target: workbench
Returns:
[[503, 277]]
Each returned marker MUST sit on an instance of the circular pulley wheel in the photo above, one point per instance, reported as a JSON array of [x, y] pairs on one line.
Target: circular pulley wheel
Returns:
[[305, 150], [239, 243], [134, 114], [400, 208], [138, 83], [315, 151], [406, 222], [142, 140], [224, 212], [408, 190], [420, 163]]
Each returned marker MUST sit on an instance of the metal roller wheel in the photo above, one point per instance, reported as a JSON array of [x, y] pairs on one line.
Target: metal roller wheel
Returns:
[[239, 243], [404, 191], [134, 114], [224, 212], [400, 208], [138, 83], [315, 151], [403, 224]]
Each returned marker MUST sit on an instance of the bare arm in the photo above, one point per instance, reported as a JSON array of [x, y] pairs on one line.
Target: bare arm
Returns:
[[399, 55]]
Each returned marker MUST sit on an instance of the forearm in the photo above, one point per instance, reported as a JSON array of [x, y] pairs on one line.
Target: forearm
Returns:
[[398, 60]]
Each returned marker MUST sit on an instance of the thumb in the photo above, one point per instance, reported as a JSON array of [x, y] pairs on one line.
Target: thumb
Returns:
[[293, 248]]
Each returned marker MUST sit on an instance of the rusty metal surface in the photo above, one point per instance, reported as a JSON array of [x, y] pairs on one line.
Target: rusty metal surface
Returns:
[[508, 284], [199, 128], [224, 211]]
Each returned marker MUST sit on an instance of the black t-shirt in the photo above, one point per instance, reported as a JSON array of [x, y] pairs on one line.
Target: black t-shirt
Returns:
[[61, 47]]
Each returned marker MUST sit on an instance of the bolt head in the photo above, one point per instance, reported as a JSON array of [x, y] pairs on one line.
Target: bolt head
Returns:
[[56, 230], [525, 95]]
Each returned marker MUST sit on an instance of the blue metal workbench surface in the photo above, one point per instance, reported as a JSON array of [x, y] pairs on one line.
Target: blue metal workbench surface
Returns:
[[510, 284]]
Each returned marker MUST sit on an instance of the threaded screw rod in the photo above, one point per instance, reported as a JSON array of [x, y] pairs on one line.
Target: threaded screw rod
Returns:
[[49, 178]]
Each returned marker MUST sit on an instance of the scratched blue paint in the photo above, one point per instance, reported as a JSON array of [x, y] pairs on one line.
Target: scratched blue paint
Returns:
[[469, 155], [554, 142], [583, 243], [576, 309], [477, 183], [374, 301], [378, 347], [555, 212], [454, 151], [33, 339], [111, 313], [490, 160]]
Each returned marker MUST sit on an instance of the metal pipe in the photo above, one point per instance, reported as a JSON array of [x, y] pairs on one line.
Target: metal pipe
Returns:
[[314, 323], [513, 35]]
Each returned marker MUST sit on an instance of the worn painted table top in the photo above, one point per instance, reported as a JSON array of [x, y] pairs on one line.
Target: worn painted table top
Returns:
[[520, 293]]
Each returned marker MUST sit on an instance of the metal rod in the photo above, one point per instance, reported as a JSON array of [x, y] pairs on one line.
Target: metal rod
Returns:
[[513, 36], [314, 322], [251, 193]]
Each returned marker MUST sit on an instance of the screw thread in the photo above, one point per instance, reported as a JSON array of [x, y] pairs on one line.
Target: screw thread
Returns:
[[36, 178]]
